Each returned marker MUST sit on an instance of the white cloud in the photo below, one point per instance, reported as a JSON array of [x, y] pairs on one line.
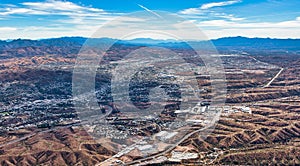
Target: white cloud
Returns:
[[40, 32], [204, 8], [74, 14], [230, 17], [205, 11], [51, 7], [84, 20], [218, 4], [7, 29], [223, 24], [191, 11], [57, 5], [11, 11], [63, 8], [213, 29], [216, 23], [223, 28]]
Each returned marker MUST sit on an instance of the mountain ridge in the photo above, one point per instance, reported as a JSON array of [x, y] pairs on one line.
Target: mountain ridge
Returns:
[[227, 45]]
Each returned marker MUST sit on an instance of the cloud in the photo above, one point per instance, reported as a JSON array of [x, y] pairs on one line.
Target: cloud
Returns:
[[218, 4], [223, 24], [61, 18], [205, 15], [40, 32], [212, 28], [70, 14], [223, 28], [205, 11], [63, 8], [204, 8], [58, 5], [79, 20], [11, 11], [7, 29], [51, 7], [191, 11], [230, 17], [217, 22]]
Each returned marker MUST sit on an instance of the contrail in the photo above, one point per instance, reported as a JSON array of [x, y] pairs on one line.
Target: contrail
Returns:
[[143, 7]]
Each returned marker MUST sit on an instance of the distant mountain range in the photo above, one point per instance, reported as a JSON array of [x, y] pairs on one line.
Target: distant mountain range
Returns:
[[258, 45], [243, 45]]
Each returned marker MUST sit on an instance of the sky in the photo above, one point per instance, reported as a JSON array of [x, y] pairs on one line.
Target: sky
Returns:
[[35, 19]]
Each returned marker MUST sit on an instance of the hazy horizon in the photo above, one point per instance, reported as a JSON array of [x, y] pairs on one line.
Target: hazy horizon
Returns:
[[13, 39], [38, 19]]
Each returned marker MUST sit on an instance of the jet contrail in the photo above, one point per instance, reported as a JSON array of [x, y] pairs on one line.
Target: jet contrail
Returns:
[[143, 7]]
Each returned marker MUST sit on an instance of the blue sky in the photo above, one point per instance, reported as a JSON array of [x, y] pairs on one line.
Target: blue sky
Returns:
[[216, 18]]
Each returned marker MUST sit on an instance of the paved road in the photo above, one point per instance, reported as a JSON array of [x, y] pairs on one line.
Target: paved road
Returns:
[[17, 140], [270, 82]]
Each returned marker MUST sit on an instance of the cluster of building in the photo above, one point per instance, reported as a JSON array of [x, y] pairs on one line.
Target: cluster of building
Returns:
[[39, 113], [178, 156], [165, 135], [227, 110]]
